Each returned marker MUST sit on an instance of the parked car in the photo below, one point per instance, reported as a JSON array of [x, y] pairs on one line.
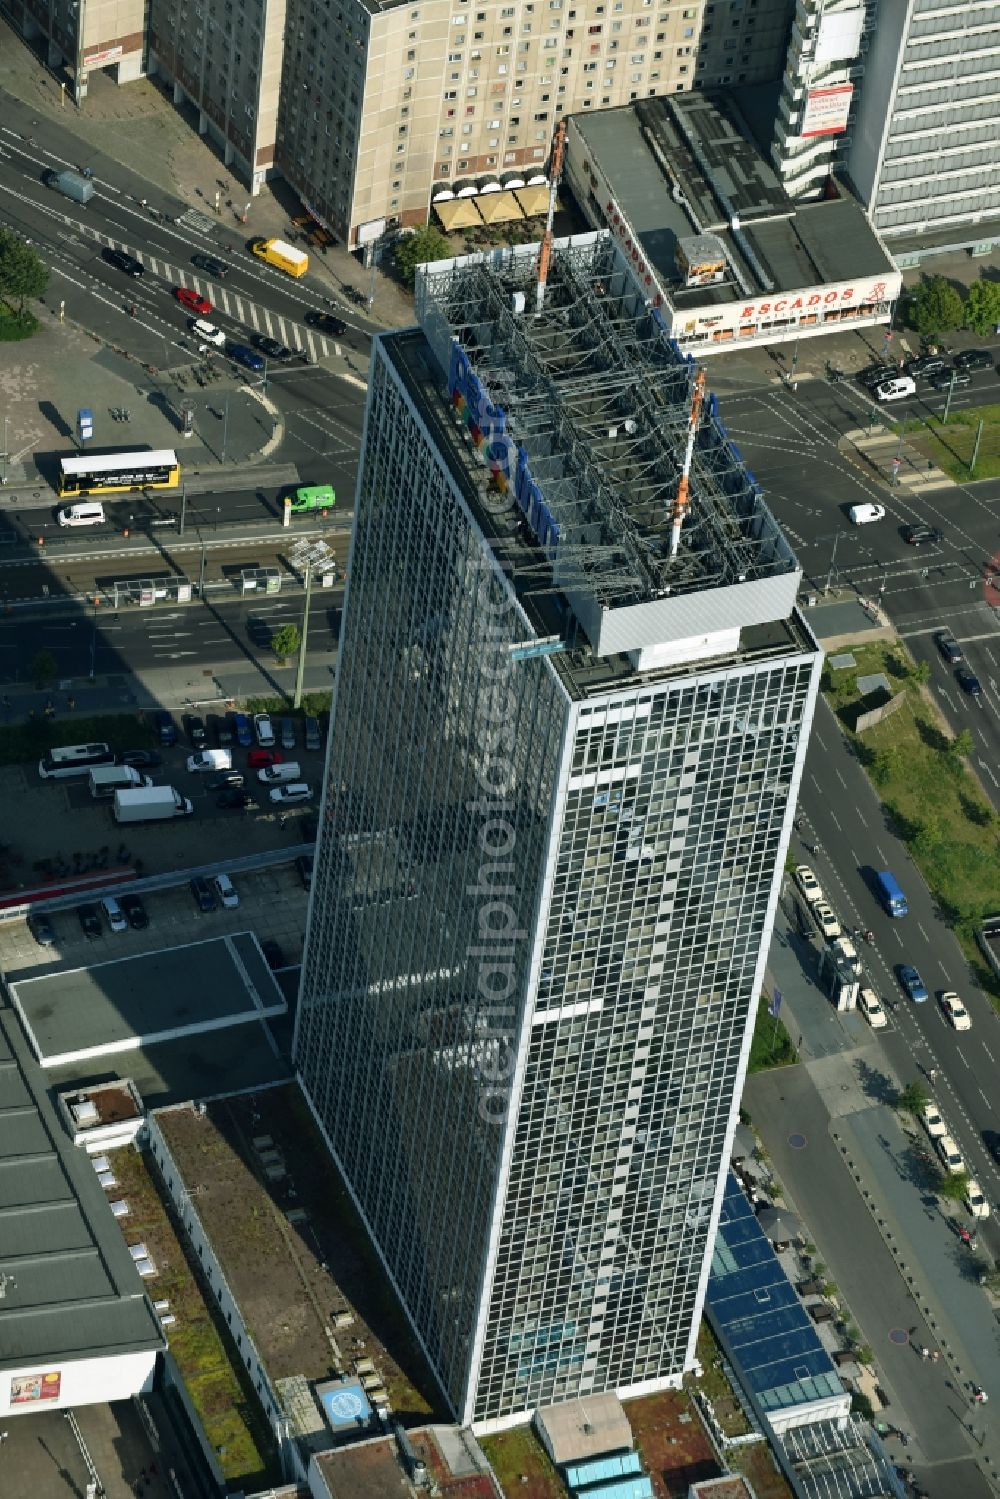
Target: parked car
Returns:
[[241, 728], [326, 323], [975, 1201], [877, 374], [825, 919], [135, 912], [235, 799], [925, 365], [912, 983], [165, 727], [304, 865], [920, 535], [203, 893], [226, 891], [41, 928], [264, 730], [950, 378], [122, 261], [955, 1011], [951, 1156], [221, 729], [969, 682], [225, 779], [973, 359], [871, 1008], [296, 791], [193, 300], [933, 1123], [210, 759], [273, 955], [314, 736], [114, 915], [949, 647], [210, 264], [141, 759], [90, 920], [269, 347], [286, 733], [261, 757], [808, 884], [196, 731]]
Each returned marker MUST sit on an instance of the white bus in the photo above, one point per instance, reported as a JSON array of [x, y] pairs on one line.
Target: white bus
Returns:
[[74, 760]]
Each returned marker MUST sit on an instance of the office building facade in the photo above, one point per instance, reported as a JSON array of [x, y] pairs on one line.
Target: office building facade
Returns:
[[561, 777], [900, 99], [387, 107]]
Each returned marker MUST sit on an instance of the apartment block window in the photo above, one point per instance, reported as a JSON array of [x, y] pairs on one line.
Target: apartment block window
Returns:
[[451, 93]]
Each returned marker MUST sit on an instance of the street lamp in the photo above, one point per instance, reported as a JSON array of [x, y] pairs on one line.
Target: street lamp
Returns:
[[305, 556]]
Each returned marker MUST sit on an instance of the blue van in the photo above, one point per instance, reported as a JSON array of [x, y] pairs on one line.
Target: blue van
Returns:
[[890, 893], [241, 354]]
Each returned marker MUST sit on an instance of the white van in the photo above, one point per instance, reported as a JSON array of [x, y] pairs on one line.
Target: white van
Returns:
[[89, 513], [896, 390], [863, 515], [273, 775]]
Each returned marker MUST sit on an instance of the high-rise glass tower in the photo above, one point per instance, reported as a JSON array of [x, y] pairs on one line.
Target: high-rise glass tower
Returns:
[[569, 724]]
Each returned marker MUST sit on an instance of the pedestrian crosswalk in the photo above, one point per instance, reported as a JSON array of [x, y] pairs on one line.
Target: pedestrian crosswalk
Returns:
[[241, 309]]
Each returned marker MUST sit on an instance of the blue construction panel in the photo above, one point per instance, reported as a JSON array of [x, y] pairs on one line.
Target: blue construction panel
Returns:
[[598, 1469], [759, 1318]]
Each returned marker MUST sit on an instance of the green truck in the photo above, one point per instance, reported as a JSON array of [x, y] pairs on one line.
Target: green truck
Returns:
[[314, 497]]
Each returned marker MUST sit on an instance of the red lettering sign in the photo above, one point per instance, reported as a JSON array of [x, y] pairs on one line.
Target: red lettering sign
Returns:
[[781, 304]]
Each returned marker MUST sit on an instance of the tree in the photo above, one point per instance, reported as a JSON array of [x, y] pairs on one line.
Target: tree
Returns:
[[961, 746], [912, 1098], [921, 673], [953, 1186], [982, 307], [44, 669], [286, 641], [418, 248], [935, 307], [22, 272]]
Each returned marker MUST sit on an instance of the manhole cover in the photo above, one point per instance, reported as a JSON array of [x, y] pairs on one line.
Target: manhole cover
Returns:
[[797, 1142], [898, 1335]]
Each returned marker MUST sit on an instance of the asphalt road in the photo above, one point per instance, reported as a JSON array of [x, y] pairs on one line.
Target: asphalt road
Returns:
[[845, 819], [253, 298], [220, 634], [791, 441]]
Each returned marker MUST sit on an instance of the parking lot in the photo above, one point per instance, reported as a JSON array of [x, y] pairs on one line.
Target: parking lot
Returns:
[[272, 904]]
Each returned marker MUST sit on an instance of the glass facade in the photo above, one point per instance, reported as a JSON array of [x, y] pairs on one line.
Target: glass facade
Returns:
[[536, 939]]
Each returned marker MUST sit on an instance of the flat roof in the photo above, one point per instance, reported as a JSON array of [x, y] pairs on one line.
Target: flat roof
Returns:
[[682, 166], [576, 1430], [80, 1014], [73, 1291], [759, 1317]]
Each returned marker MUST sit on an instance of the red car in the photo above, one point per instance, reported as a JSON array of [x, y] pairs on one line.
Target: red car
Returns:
[[198, 304], [258, 758]]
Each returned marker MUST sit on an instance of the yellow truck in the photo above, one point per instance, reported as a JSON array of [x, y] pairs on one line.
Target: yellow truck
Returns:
[[284, 256]]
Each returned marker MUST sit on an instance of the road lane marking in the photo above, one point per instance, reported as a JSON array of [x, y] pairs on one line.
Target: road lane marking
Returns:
[[239, 309], [923, 933], [840, 778]]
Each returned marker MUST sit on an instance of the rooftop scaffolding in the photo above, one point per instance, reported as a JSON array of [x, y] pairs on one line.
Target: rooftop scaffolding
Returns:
[[587, 404]]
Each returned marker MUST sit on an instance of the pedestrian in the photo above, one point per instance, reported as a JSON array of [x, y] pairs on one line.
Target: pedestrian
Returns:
[[71, 703], [282, 820]]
